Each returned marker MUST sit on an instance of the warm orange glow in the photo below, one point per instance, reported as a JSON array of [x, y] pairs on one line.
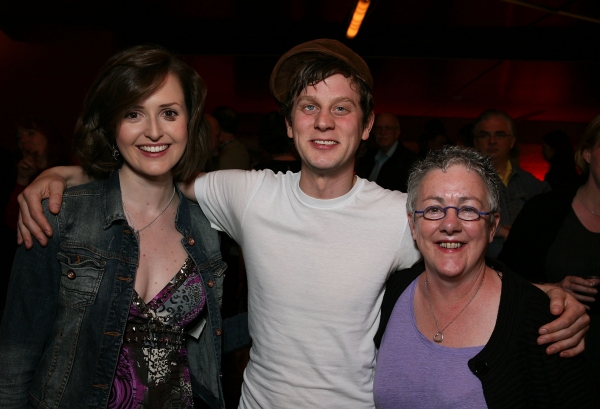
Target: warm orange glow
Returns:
[[357, 18]]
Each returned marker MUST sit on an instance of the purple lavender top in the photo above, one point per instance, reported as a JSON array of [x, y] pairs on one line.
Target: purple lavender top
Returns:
[[415, 372], [153, 371]]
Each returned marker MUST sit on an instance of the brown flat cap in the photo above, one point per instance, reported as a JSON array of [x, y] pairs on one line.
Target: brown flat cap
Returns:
[[285, 69]]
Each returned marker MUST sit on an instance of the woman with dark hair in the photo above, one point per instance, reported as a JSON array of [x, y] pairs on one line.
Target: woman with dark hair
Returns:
[[556, 239], [121, 308], [558, 152]]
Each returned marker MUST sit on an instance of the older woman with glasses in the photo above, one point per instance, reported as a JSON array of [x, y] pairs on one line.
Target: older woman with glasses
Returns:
[[458, 330]]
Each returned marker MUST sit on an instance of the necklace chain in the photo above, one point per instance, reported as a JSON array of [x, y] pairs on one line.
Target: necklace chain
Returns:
[[439, 336], [583, 204], [130, 219]]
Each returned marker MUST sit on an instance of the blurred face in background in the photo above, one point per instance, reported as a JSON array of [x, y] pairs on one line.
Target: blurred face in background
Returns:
[[386, 130], [494, 137], [33, 144], [547, 152]]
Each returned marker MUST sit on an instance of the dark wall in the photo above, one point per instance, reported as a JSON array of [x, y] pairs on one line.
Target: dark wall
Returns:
[[50, 78]]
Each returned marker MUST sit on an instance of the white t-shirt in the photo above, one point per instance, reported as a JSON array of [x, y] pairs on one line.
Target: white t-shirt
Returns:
[[316, 273]]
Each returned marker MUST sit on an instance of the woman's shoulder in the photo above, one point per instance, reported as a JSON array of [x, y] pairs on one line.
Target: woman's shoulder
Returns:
[[92, 187], [560, 196]]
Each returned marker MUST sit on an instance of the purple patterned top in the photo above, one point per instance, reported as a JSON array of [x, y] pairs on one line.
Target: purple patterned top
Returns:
[[152, 371]]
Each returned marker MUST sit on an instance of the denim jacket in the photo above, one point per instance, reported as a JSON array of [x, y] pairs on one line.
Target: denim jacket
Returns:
[[68, 304]]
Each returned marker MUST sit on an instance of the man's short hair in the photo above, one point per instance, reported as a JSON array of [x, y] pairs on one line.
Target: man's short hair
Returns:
[[312, 62], [491, 113]]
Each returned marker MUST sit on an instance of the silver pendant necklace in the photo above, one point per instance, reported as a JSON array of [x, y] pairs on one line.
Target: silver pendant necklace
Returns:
[[130, 220], [439, 336]]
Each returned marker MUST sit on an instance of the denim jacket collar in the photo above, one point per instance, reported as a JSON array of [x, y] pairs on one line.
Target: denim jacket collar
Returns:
[[112, 202]]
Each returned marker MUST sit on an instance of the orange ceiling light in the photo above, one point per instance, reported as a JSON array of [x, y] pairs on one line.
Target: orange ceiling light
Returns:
[[357, 18]]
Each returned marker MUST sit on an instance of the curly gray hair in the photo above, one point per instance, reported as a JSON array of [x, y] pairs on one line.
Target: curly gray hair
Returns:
[[455, 155]]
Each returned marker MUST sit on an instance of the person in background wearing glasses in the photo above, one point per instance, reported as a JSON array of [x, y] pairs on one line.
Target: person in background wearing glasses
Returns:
[[389, 165], [495, 136], [456, 328]]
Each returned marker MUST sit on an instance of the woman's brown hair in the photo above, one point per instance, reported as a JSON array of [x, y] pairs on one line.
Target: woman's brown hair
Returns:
[[589, 140]]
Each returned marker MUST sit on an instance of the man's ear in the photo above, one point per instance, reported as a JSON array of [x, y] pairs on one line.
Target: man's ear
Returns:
[[288, 127], [368, 127]]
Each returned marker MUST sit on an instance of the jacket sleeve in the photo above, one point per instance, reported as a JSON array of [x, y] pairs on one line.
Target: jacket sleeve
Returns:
[[28, 317], [11, 215]]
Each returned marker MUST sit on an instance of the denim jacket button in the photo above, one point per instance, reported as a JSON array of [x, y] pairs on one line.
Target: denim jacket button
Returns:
[[210, 283], [71, 275], [218, 332], [191, 241]]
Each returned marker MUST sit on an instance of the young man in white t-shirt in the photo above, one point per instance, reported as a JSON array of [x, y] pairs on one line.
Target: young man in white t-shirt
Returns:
[[318, 245]]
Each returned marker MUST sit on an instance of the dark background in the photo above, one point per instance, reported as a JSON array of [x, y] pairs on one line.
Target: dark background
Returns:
[[537, 60]]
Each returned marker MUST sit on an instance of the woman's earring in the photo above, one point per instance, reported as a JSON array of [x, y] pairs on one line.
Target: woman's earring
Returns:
[[115, 152]]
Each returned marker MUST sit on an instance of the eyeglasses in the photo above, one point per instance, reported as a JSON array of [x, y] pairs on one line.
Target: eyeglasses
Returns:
[[384, 128], [497, 135], [466, 213]]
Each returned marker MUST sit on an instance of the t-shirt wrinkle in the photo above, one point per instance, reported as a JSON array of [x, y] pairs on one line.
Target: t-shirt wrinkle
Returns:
[[251, 198]]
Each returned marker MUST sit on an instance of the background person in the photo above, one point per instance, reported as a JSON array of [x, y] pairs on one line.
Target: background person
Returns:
[[557, 238], [558, 152], [40, 147], [232, 153], [121, 308], [495, 136], [279, 152], [463, 319], [389, 164]]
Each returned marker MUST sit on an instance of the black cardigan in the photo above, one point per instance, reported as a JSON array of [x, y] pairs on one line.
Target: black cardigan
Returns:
[[514, 371]]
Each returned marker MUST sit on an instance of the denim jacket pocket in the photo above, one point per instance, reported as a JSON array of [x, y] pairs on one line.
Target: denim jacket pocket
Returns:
[[80, 279]]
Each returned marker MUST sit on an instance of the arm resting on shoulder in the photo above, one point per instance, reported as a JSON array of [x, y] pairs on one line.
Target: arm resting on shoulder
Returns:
[[50, 184], [187, 188], [566, 334]]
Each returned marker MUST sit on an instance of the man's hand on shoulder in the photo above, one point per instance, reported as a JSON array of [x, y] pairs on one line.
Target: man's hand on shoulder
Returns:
[[566, 334], [50, 184]]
